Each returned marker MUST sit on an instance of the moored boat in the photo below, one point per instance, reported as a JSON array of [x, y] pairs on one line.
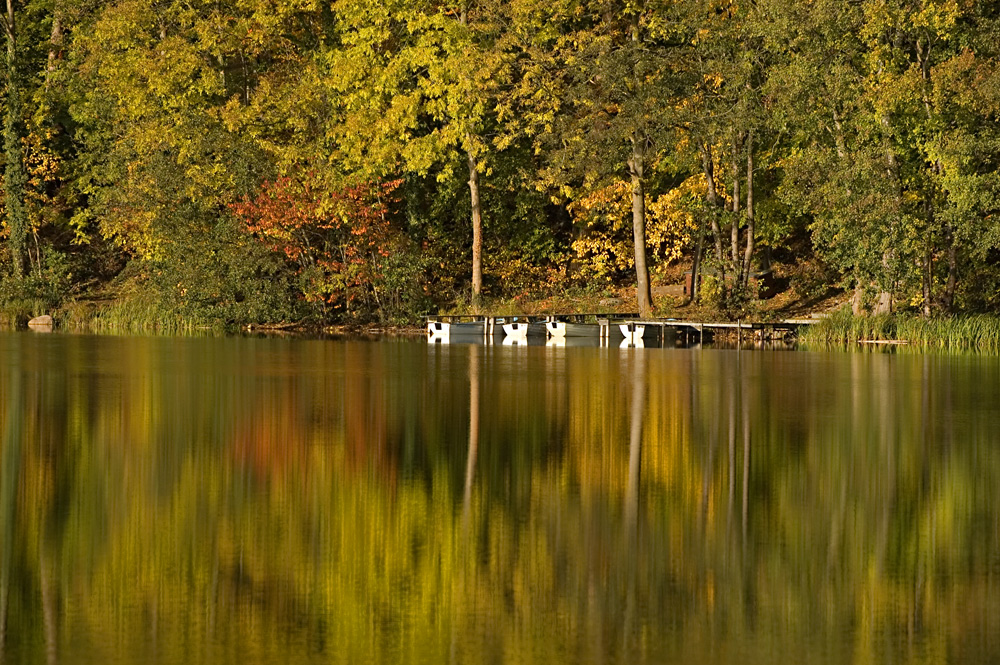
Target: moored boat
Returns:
[[443, 330], [564, 329], [522, 329]]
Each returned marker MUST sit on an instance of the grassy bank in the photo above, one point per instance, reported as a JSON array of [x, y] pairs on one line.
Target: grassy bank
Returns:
[[978, 333], [132, 307]]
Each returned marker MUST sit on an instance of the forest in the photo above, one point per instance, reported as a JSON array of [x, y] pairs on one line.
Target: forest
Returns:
[[241, 162]]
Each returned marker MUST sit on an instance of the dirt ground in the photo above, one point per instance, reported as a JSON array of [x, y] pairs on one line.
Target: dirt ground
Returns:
[[799, 290]]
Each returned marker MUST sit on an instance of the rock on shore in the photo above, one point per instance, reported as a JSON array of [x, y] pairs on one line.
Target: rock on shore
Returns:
[[41, 323]]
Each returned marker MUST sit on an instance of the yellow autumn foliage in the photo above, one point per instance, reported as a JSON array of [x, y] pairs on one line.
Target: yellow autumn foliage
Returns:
[[605, 245], [670, 218], [44, 169]]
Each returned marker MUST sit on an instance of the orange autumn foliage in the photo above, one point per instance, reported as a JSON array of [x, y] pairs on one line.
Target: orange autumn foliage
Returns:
[[334, 238]]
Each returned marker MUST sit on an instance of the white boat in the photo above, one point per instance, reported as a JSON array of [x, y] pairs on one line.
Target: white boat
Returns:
[[442, 331], [563, 329], [515, 332], [523, 329]]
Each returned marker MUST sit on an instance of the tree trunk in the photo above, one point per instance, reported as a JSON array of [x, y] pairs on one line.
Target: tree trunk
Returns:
[[885, 298], [748, 255], [636, 170], [838, 136], [937, 169], [696, 265], [477, 234], [735, 229], [55, 48], [858, 299], [927, 276], [713, 201], [884, 304], [14, 176], [949, 289], [477, 211]]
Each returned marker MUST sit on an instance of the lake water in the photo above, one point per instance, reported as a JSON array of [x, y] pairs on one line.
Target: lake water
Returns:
[[252, 501]]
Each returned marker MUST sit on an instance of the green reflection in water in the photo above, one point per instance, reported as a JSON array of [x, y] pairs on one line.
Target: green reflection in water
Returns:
[[252, 501]]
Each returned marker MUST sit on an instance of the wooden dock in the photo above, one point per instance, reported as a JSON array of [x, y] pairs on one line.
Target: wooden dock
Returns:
[[750, 331], [626, 328]]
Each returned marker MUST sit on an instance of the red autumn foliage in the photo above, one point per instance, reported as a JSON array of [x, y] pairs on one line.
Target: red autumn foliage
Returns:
[[334, 237]]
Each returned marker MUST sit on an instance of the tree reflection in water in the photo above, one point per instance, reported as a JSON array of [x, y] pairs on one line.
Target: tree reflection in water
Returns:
[[219, 500]]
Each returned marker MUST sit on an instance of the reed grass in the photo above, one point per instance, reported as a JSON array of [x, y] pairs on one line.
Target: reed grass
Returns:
[[978, 333], [135, 315]]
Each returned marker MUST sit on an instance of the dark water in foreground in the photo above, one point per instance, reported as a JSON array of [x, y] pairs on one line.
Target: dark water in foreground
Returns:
[[269, 501]]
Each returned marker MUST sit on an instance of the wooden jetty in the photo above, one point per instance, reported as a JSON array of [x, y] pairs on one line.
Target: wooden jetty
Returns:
[[627, 329], [698, 331]]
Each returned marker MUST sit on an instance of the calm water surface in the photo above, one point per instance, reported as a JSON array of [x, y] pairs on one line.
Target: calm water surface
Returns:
[[252, 501]]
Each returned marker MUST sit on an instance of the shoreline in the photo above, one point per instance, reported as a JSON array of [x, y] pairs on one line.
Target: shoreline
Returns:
[[978, 333]]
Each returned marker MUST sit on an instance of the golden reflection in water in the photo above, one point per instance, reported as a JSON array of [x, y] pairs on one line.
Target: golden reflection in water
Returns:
[[206, 500]]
